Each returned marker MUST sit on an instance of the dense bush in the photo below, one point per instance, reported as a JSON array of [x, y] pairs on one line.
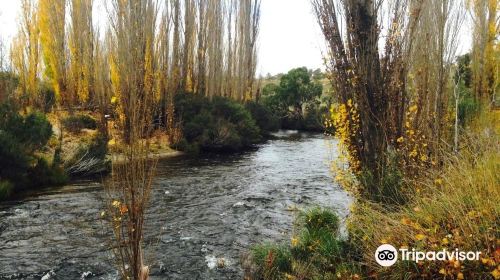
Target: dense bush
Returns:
[[75, 123], [263, 116], [31, 131], [219, 124], [20, 138], [314, 119], [14, 162], [43, 174]]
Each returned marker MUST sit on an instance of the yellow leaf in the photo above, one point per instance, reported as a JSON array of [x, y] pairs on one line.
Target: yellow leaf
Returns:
[[460, 275], [123, 209], [111, 142], [496, 274], [419, 236], [413, 153], [113, 100], [405, 221], [442, 271]]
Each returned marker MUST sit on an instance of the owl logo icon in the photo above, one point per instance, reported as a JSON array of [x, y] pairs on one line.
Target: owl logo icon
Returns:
[[386, 255]]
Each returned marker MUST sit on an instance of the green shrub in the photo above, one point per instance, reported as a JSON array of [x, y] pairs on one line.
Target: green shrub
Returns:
[[32, 131], [219, 124], [20, 137], [76, 123], [273, 261], [42, 174], [314, 118], [234, 115], [318, 219], [316, 252], [264, 118], [14, 163]]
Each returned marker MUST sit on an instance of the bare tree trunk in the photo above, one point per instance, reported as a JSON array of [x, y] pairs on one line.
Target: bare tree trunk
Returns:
[[189, 36], [81, 50], [202, 47]]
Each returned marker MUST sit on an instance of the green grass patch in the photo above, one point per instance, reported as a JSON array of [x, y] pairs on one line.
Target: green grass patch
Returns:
[[315, 252]]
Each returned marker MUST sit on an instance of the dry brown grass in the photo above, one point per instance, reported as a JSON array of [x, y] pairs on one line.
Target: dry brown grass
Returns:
[[457, 207]]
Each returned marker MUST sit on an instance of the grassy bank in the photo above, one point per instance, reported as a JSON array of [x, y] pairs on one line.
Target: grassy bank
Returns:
[[454, 206]]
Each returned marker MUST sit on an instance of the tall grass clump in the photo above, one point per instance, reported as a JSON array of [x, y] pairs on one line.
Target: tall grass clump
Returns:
[[316, 251]]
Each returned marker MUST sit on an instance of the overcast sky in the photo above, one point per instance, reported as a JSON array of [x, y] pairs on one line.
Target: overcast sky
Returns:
[[289, 34]]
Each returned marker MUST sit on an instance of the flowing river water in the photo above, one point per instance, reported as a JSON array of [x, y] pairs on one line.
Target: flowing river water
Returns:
[[202, 209]]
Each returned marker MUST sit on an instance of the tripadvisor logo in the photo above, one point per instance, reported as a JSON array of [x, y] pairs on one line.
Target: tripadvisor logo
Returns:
[[387, 255]]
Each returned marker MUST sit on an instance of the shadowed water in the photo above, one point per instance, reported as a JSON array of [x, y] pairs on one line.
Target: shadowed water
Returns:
[[201, 209]]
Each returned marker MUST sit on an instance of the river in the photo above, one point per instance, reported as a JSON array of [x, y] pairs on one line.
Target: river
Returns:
[[213, 206]]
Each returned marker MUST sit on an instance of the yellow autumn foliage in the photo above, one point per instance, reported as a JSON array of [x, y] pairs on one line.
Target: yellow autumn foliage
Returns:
[[53, 40]]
